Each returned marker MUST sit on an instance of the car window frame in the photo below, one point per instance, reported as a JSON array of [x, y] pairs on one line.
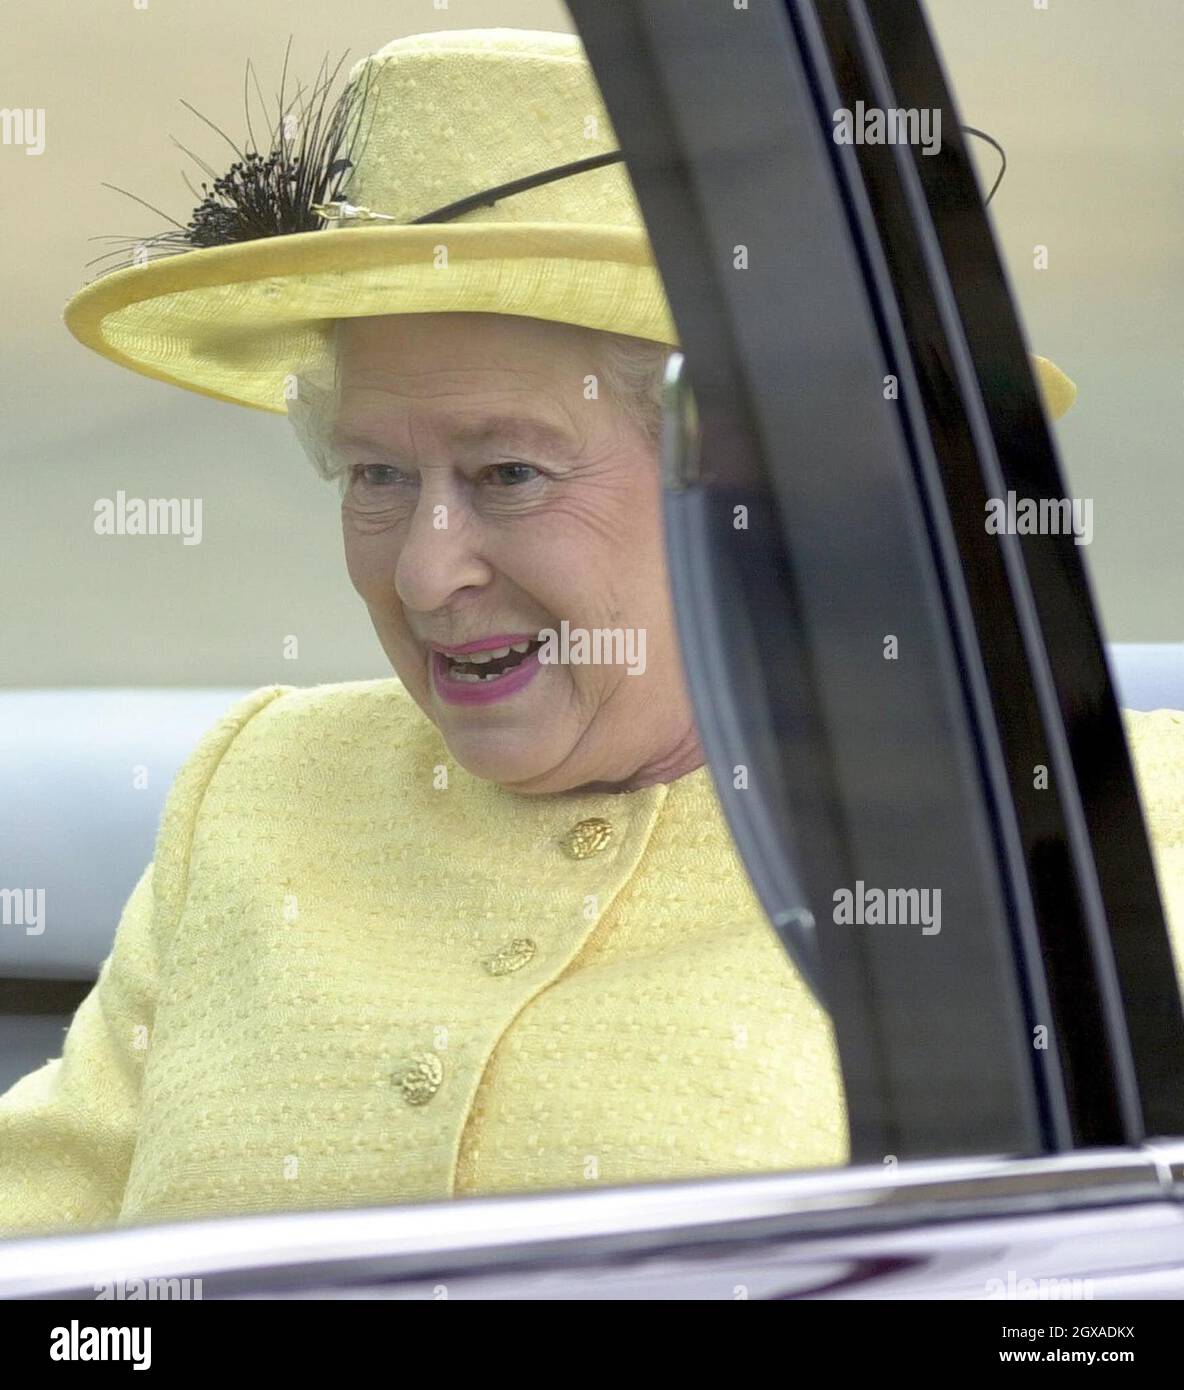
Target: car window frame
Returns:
[[677, 82], [761, 1232]]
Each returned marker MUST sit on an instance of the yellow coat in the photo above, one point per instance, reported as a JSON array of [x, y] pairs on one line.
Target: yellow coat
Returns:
[[354, 974]]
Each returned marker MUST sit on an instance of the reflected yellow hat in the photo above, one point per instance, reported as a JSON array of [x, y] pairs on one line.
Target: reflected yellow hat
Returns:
[[374, 205]]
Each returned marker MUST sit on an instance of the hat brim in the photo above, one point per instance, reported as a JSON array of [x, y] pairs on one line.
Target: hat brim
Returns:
[[234, 322]]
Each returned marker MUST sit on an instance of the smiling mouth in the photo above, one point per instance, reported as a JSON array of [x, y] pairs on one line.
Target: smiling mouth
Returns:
[[480, 668]]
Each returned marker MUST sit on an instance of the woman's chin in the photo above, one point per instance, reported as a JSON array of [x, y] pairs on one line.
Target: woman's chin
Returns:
[[512, 758]]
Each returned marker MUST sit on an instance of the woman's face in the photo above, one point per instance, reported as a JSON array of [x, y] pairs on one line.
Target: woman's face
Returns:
[[490, 500]]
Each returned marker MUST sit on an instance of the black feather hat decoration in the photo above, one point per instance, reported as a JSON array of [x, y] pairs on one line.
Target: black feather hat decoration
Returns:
[[297, 185], [263, 194]]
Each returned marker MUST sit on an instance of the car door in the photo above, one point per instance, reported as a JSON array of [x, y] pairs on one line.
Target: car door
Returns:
[[919, 702]]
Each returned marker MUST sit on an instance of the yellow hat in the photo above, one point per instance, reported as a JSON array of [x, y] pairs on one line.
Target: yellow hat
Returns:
[[447, 116]]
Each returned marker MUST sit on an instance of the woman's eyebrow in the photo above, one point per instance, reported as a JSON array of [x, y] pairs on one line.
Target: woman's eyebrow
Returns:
[[515, 430]]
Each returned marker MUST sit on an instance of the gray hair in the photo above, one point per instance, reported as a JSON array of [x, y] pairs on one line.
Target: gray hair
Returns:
[[632, 370]]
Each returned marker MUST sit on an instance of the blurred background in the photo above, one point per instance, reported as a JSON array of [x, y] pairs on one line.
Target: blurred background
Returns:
[[1084, 97]]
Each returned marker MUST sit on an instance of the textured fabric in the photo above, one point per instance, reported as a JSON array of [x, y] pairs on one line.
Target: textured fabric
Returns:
[[448, 115], [342, 982], [1157, 747]]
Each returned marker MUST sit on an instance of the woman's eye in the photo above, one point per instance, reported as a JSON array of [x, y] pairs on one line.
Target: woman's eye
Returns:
[[512, 474], [376, 474]]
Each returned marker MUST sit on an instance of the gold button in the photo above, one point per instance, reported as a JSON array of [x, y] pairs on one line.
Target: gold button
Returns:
[[422, 1079], [510, 957], [587, 837]]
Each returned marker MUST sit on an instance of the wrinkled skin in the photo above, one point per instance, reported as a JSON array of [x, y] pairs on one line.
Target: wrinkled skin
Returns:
[[538, 531]]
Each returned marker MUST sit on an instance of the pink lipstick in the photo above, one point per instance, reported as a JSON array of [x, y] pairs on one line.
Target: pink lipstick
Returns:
[[487, 670]]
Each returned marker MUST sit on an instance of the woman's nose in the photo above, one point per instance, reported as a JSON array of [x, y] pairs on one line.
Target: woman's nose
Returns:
[[440, 554]]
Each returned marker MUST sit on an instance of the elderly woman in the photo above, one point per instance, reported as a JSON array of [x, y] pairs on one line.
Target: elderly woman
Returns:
[[480, 927]]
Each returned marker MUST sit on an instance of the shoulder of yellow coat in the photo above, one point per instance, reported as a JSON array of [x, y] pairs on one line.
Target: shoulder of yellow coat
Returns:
[[1156, 740], [276, 722], [353, 714]]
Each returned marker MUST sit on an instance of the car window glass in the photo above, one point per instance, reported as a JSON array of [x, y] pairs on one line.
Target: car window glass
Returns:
[[1081, 100]]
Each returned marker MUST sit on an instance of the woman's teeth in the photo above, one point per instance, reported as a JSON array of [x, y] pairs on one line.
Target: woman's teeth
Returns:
[[497, 660]]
